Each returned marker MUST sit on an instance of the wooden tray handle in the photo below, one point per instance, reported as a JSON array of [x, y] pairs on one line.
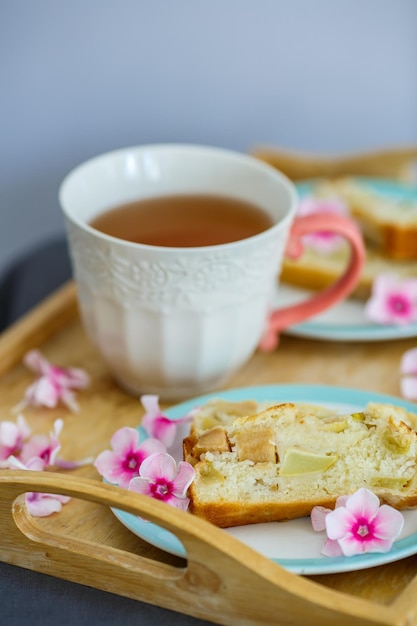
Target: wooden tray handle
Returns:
[[395, 163], [224, 581]]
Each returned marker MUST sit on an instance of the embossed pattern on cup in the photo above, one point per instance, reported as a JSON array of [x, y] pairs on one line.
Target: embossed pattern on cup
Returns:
[[175, 320]]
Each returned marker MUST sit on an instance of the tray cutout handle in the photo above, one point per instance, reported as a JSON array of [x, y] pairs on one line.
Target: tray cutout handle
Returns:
[[224, 581]]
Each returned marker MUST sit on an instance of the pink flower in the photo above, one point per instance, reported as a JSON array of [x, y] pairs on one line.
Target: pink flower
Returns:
[[408, 367], [53, 383], [358, 524], [15, 440], [324, 242], [121, 464], [393, 301], [12, 436], [160, 478], [43, 447], [39, 504], [158, 425]]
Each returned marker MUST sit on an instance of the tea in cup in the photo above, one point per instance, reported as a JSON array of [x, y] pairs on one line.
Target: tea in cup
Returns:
[[176, 253]]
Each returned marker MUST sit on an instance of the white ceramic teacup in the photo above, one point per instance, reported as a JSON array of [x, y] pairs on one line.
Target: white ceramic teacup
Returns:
[[177, 322]]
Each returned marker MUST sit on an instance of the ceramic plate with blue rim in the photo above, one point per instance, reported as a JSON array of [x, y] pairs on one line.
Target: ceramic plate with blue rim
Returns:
[[346, 321], [293, 545]]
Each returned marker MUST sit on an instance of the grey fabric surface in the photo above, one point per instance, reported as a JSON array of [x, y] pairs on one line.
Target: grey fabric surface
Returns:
[[32, 278], [36, 599]]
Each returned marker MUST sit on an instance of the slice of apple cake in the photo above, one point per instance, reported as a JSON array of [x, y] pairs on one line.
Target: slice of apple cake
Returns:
[[259, 462]]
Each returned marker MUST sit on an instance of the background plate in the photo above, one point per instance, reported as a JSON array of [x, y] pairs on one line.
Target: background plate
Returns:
[[293, 544], [346, 320]]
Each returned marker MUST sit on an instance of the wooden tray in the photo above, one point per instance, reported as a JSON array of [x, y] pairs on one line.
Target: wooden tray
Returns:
[[222, 581]]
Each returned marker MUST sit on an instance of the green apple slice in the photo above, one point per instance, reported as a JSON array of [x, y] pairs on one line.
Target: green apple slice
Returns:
[[297, 461]]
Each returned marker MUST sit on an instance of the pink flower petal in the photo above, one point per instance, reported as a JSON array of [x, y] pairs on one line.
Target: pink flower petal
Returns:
[[388, 522], [35, 464], [43, 447], [363, 503], [42, 393], [339, 523], [42, 504], [409, 286], [68, 398], [178, 503], [58, 426], [158, 425], [184, 478], [12, 436], [165, 430], [35, 361], [23, 426], [341, 501], [9, 434], [331, 548], [39, 504], [384, 284], [311, 204], [324, 242], [125, 439], [151, 446], [155, 424], [140, 485], [34, 447], [408, 363], [318, 517], [62, 499], [151, 404], [408, 386], [108, 465], [375, 311], [351, 546], [73, 377], [159, 466], [68, 465], [161, 428]]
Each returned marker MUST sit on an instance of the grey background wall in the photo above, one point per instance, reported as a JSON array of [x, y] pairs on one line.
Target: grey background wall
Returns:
[[83, 77]]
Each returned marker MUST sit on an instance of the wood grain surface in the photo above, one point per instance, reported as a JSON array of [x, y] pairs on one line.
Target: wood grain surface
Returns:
[[393, 163], [222, 580]]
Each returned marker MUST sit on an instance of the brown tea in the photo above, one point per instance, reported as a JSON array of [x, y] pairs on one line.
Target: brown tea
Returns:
[[183, 221]]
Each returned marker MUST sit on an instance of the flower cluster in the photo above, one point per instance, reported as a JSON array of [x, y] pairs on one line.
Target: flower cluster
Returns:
[[145, 466], [19, 449], [52, 384], [358, 524], [393, 300], [142, 466]]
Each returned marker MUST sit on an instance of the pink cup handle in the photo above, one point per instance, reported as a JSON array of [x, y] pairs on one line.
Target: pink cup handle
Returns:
[[340, 289]]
